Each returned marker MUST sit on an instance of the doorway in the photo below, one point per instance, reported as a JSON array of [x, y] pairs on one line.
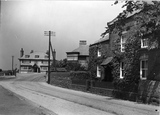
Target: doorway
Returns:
[[108, 77], [36, 68]]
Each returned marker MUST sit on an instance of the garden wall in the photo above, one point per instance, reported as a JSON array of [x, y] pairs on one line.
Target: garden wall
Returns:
[[149, 92]]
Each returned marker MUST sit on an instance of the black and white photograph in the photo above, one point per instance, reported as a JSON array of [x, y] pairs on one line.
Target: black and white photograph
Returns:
[[79, 57]]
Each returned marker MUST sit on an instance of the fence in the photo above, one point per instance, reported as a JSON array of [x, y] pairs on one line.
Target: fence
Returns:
[[7, 73]]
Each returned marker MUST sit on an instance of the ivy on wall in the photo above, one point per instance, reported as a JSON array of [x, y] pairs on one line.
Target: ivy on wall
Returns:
[[94, 60], [143, 24]]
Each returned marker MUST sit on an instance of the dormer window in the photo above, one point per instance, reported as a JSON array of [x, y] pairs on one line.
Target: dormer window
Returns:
[[36, 56], [26, 56], [46, 56], [98, 53], [144, 43]]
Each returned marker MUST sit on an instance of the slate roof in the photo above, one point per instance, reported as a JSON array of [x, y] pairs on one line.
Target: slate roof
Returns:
[[32, 56], [82, 49], [105, 38], [127, 16]]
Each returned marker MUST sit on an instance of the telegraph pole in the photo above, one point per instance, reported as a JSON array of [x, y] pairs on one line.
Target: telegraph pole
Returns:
[[12, 62], [49, 33]]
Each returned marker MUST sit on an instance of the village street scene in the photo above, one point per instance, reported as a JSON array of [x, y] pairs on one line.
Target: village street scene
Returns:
[[80, 57]]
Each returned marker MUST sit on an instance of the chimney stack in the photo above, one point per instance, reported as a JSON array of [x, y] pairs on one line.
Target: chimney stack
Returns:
[[82, 42], [21, 52], [31, 51]]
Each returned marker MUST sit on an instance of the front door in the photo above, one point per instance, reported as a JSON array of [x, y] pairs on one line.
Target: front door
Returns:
[[108, 77]]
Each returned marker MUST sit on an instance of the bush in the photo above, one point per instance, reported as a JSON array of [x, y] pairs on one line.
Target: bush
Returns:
[[74, 67], [80, 75]]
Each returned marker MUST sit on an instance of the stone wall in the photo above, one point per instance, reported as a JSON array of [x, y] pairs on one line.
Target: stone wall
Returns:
[[149, 92]]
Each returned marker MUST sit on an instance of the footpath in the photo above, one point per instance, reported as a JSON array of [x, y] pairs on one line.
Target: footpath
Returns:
[[11, 104]]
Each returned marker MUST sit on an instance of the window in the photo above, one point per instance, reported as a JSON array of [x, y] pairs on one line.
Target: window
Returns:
[[24, 67], [98, 71], [46, 56], [143, 68], [98, 53], [123, 41], [26, 61], [45, 62], [26, 56], [122, 44], [121, 70], [36, 56], [144, 43], [72, 58], [44, 68]]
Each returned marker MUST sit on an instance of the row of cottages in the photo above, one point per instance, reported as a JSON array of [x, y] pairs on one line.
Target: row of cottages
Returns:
[[102, 52], [33, 62], [79, 55]]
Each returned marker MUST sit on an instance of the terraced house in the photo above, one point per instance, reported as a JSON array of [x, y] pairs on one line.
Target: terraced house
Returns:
[[100, 56], [33, 62], [120, 53], [147, 51]]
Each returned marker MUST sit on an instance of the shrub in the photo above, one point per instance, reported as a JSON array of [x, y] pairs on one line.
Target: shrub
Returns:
[[80, 75], [74, 67]]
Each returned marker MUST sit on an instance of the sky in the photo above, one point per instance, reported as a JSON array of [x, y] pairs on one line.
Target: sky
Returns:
[[23, 23]]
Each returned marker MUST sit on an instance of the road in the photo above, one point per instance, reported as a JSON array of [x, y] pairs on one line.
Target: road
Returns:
[[69, 102]]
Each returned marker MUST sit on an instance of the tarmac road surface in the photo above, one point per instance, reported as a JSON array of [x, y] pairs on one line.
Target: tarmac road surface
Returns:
[[11, 104], [69, 102]]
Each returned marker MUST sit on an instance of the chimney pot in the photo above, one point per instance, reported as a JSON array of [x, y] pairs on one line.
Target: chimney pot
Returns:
[[82, 42], [21, 52]]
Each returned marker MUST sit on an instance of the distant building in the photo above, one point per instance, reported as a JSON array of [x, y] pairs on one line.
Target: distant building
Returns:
[[80, 54], [33, 62]]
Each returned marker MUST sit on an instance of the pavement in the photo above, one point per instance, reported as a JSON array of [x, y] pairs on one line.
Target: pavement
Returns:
[[12, 104]]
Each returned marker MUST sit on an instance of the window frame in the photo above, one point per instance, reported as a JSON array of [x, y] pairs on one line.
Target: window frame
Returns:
[[36, 56], [121, 70], [27, 56], [144, 42], [143, 69], [98, 72], [123, 41], [99, 53]]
